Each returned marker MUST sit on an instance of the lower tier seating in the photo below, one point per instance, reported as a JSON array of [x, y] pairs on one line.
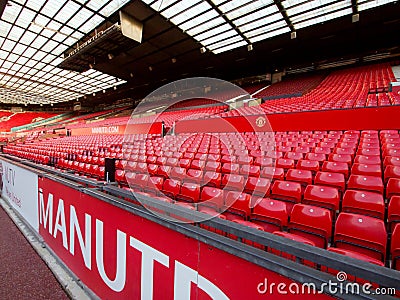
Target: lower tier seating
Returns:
[[337, 190]]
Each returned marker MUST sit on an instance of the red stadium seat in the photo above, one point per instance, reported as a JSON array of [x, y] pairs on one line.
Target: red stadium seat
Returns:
[[264, 161], [311, 222], [272, 173], [322, 196], [362, 234], [212, 197], [352, 254], [178, 173], [189, 192], [287, 191], [364, 203], [152, 169], [285, 163], [366, 169], [233, 182], [164, 171], [310, 165], [293, 237], [139, 181], [237, 205], [367, 183], [393, 212], [335, 180], [212, 179], [391, 172], [198, 164], [120, 176], [184, 163], [336, 167], [271, 214], [171, 161], [257, 186], [319, 157], [250, 170], [228, 168], [392, 187], [390, 160], [193, 175], [154, 185], [344, 158], [171, 188], [304, 177], [213, 166], [294, 155], [368, 159], [395, 248]]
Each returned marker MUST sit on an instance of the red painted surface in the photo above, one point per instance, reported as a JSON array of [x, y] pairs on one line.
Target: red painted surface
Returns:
[[150, 128], [357, 119], [233, 276]]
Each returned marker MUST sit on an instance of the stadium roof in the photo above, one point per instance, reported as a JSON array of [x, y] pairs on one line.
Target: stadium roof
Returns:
[[222, 25], [35, 34]]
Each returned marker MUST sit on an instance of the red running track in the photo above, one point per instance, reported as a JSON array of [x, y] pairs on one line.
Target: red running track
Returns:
[[23, 274]]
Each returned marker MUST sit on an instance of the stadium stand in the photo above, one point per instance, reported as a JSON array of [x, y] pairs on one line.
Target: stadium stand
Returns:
[[260, 183]]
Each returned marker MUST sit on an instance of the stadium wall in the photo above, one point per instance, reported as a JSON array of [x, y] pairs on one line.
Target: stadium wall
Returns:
[[119, 250], [343, 119]]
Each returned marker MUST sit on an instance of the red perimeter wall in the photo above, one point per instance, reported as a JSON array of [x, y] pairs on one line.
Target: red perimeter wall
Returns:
[[345, 119]]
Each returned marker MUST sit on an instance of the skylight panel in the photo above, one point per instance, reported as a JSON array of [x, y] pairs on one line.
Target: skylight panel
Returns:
[[22, 60], [322, 18], [112, 6], [96, 4], [67, 11], [210, 33], [263, 24], [269, 34], [256, 9], [51, 7], [261, 30], [7, 64], [25, 18], [230, 47], [15, 33], [367, 4], [234, 4], [91, 23], [80, 17], [180, 7], [233, 40], [206, 26], [8, 45], [39, 42], [188, 14], [11, 12], [202, 18], [219, 37], [161, 4]]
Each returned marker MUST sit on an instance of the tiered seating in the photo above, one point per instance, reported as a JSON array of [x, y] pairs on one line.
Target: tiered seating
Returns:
[[348, 88], [192, 103], [17, 119], [253, 88], [325, 188], [293, 87]]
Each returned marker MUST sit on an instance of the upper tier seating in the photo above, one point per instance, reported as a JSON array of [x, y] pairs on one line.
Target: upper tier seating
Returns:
[[348, 88], [292, 87], [11, 120]]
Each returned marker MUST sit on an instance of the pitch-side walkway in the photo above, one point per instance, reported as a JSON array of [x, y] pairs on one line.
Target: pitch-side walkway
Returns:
[[23, 272]]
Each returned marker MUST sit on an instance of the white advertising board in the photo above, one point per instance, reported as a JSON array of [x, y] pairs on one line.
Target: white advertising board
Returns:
[[19, 187]]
